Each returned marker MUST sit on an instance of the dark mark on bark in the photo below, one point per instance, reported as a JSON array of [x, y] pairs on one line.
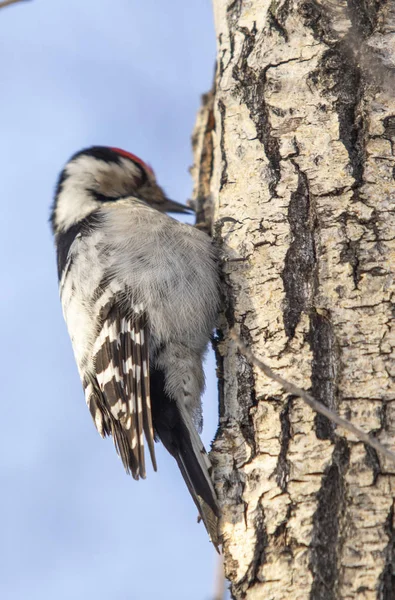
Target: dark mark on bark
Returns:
[[372, 458], [227, 316], [277, 16], [233, 488], [389, 127], [339, 72], [383, 416], [326, 526], [320, 17], [259, 558], [350, 252], [251, 88], [281, 471], [283, 10], [300, 259], [274, 21], [341, 76], [323, 370], [260, 114], [260, 546], [280, 533], [224, 172], [350, 122], [317, 19], [389, 131], [363, 16], [246, 393], [387, 579], [217, 339], [373, 462]]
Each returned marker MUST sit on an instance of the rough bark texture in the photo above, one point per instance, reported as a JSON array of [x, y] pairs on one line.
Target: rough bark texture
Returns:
[[295, 149]]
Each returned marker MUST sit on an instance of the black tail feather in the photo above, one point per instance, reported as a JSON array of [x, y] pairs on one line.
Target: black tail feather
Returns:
[[177, 433]]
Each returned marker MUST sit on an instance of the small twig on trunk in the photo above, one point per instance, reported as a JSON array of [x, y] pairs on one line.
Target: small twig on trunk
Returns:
[[312, 402], [8, 2]]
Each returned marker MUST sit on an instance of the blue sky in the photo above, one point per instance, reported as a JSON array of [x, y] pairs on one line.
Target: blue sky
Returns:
[[128, 74]]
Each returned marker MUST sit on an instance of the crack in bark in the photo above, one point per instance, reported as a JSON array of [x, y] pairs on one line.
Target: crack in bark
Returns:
[[372, 461], [387, 579], [326, 546], [282, 469], [323, 370], [339, 76], [227, 292], [216, 341], [340, 72], [300, 259], [280, 533], [389, 131], [246, 394], [224, 172], [260, 546], [251, 88], [259, 558], [339, 67]]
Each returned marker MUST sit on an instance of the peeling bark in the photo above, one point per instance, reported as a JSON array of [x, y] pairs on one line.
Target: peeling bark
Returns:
[[294, 172]]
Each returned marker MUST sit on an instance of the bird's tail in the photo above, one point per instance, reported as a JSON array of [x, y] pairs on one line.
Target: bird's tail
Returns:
[[195, 466], [174, 427]]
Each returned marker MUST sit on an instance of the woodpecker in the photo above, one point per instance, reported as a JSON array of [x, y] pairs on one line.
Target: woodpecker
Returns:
[[140, 296]]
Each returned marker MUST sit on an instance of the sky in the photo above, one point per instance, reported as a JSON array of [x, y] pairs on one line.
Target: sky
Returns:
[[128, 74]]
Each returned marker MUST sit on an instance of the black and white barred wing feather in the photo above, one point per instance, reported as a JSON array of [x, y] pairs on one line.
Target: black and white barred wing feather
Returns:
[[121, 365]]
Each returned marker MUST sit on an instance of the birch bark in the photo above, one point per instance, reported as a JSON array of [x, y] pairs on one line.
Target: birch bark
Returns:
[[295, 152]]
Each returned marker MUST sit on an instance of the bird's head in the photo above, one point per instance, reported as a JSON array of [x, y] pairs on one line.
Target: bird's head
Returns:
[[99, 175]]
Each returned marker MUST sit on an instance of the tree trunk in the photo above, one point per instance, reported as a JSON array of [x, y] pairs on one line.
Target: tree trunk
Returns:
[[294, 149]]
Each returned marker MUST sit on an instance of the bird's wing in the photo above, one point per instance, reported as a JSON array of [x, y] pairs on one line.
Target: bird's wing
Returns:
[[121, 363]]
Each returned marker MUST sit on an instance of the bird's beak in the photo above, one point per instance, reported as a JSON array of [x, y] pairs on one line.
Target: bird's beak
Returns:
[[175, 207]]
